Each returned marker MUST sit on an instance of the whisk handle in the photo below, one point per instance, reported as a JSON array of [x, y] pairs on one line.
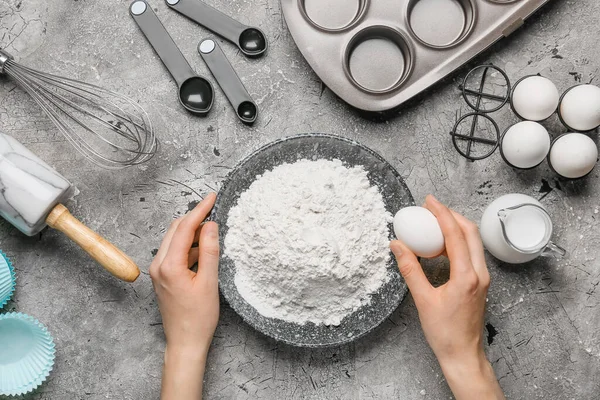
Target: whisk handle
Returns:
[[161, 41], [105, 253], [4, 57]]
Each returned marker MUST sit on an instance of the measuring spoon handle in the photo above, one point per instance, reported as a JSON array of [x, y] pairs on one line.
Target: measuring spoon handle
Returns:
[[161, 41], [210, 18]]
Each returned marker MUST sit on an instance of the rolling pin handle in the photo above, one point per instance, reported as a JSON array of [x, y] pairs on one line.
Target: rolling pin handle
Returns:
[[105, 253]]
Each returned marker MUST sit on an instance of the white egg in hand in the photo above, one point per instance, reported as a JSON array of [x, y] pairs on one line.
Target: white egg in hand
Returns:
[[580, 108], [535, 98], [419, 229], [573, 155], [525, 145]]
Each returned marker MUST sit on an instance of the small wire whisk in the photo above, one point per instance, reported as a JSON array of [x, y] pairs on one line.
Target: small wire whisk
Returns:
[[108, 128]]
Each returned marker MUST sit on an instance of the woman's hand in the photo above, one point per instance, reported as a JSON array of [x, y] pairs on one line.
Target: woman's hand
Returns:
[[188, 301], [452, 315]]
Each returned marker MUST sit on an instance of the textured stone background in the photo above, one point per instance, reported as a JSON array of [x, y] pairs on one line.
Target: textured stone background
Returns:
[[543, 317]]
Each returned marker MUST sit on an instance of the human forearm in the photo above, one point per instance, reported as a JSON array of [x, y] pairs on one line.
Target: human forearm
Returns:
[[183, 374], [472, 378]]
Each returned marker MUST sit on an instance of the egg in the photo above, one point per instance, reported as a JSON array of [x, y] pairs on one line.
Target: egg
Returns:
[[525, 145], [580, 108], [573, 155], [419, 229], [535, 98]]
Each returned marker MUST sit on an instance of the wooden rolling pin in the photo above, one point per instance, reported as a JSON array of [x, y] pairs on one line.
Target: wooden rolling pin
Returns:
[[31, 193]]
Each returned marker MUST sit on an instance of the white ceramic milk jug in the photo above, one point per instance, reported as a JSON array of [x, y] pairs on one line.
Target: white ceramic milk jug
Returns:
[[516, 228]]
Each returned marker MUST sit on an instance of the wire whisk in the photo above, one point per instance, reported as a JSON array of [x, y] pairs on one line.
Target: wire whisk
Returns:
[[108, 128]]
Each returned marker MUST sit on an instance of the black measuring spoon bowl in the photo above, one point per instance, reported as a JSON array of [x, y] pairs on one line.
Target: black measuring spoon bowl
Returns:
[[196, 94], [251, 41]]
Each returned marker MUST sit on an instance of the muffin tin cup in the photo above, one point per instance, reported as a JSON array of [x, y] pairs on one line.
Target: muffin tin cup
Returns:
[[562, 121], [562, 177], [7, 280], [26, 354], [379, 45], [440, 28], [321, 14], [512, 106], [514, 166]]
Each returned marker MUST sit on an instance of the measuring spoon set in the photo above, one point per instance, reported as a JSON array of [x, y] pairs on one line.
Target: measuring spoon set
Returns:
[[196, 93]]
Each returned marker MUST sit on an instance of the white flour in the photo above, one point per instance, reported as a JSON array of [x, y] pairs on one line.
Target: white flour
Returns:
[[309, 241]]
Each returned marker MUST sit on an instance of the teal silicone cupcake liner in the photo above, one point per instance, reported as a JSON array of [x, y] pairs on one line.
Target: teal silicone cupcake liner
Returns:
[[26, 354], [7, 280]]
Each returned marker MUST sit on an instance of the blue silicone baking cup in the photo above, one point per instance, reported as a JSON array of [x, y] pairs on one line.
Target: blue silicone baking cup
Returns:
[[26, 354], [7, 280]]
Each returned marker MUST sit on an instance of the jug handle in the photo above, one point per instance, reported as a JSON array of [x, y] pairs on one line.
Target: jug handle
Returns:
[[555, 250]]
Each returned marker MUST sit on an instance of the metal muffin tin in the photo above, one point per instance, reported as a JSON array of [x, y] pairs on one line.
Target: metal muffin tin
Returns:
[[377, 54]]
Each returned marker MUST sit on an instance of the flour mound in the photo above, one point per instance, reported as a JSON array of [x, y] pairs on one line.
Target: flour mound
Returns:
[[309, 241]]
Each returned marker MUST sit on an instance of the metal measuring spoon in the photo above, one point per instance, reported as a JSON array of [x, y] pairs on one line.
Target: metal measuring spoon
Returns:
[[234, 89], [196, 94], [251, 41]]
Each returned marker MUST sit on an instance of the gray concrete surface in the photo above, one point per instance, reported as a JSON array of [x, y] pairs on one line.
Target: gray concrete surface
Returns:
[[543, 318]]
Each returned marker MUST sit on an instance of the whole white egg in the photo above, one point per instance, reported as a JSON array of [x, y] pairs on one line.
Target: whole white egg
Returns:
[[525, 145], [419, 229], [573, 155], [580, 108], [535, 98]]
